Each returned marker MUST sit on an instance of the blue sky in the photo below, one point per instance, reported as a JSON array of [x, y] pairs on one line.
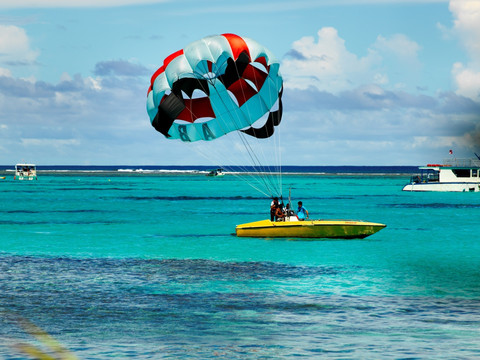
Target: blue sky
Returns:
[[367, 82]]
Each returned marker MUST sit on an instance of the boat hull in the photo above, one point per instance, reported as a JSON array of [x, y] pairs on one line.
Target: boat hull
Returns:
[[21, 177], [446, 187], [334, 229]]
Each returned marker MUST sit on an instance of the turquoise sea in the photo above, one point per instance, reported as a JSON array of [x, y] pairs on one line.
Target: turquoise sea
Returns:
[[125, 264]]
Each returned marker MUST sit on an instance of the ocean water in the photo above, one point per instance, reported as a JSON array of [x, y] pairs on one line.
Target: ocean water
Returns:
[[125, 264]]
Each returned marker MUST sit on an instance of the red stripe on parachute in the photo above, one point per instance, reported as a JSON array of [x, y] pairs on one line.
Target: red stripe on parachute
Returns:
[[162, 68], [237, 44]]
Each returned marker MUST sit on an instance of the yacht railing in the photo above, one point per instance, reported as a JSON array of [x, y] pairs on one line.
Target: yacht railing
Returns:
[[461, 162]]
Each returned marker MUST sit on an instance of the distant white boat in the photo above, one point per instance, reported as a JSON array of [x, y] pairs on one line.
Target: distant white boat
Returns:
[[457, 175], [216, 172], [25, 172]]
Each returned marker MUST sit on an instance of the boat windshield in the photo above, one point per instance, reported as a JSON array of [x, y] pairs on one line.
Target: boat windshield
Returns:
[[426, 176], [25, 167]]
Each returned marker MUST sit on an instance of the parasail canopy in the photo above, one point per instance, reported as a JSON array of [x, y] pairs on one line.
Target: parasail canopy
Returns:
[[215, 86]]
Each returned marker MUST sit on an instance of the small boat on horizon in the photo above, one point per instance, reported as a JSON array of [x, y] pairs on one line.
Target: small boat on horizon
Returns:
[[454, 175], [294, 228], [25, 172], [216, 172]]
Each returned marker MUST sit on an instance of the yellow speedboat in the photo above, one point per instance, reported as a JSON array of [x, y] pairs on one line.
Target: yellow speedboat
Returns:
[[336, 229]]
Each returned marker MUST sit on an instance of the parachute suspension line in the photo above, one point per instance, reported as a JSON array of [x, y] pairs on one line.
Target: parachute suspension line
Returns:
[[278, 156], [217, 64], [245, 174], [267, 183], [263, 175], [277, 150], [265, 169], [234, 173], [253, 159]]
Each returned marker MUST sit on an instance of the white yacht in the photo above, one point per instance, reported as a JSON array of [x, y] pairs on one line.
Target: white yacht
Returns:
[[25, 172], [459, 175]]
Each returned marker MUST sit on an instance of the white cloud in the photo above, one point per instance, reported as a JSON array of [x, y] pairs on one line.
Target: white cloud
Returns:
[[325, 64], [396, 133], [339, 108], [5, 72], [467, 81], [467, 27], [65, 77], [352, 109], [15, 46], [328, 65], [400, 46], [77, 120], [467, 24], [95, 84], [380, 79], [49, 142]]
